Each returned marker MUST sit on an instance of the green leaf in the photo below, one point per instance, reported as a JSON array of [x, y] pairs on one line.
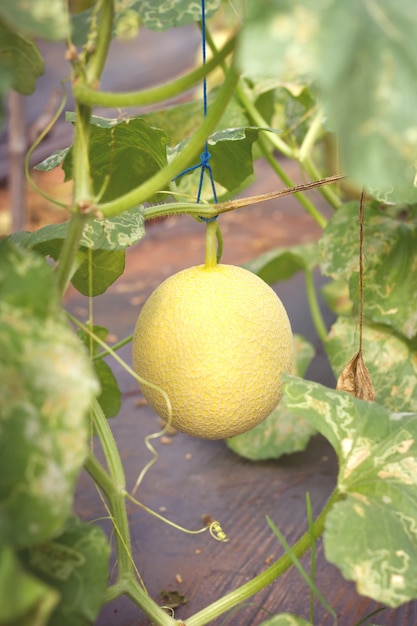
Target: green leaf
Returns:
[[178, 121], [40, 18], [359, 54], [230, 146], [231, 155], [282, 263], [114, 233], [95, 275], [24, 599], [76, 565], [390, 359], [47, 387], [281, 432], [390, 296], [277, 39], [115, 143], [20, 61], [286, 619], [292, 107], [394, 195], [52, 161], [110, 398], [365, 55], [105, 238], [336, 295], [285, 106], [26, 282], [370, 535], [92, 346], [231, 160]]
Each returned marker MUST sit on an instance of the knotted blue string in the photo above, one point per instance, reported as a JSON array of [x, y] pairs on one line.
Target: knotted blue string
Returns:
[[204, 156]]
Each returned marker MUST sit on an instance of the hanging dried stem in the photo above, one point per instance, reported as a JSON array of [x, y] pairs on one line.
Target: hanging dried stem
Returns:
[[355, 378]]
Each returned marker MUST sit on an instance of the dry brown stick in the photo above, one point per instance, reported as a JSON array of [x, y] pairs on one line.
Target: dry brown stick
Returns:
[[361, 228], [231, 205], [355, 377]]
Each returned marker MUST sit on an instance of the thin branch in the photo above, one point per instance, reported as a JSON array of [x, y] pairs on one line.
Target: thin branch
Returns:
[[361, 236], [231, 205]]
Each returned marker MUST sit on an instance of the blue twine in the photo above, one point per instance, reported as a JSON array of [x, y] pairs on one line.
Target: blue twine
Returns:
[[204, 156]]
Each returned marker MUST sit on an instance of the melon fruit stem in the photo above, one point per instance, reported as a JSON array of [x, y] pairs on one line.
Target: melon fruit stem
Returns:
[[211, 245]]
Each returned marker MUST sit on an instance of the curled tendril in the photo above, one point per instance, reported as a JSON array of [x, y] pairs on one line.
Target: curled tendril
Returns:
[[169, 610], [217, 532]]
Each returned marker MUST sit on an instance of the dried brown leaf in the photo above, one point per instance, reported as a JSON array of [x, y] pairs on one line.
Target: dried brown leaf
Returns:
[[356, 379]]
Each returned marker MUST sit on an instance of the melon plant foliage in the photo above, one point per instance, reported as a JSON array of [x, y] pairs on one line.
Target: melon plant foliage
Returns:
[[328, 84]]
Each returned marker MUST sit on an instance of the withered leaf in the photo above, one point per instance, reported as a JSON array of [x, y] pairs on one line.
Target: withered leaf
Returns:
[[356, 379]]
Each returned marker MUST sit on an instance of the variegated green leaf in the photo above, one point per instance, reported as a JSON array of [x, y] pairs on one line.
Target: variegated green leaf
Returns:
[[390, 359], [339, 244], [115, 233], [164, 14], [390, 248], [47, 387], [371, 534], [52, 161], [157, 15]]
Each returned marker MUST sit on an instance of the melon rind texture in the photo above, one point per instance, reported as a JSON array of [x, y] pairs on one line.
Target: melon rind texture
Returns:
[[217, 341]]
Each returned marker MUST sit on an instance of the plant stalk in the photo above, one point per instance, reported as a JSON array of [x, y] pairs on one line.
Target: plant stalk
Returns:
[[190, 152], [114, 348], [82, 199], [309, 206], [313, 302], [91, 97], [97, 60], [311, 136], [277, 143], [66, 263], [82, 194], [211, 245], [109, 446], [111, 485], [304, 156], [148, 606], [327, 193], [117, 506], [257, 119], [246, 591]]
